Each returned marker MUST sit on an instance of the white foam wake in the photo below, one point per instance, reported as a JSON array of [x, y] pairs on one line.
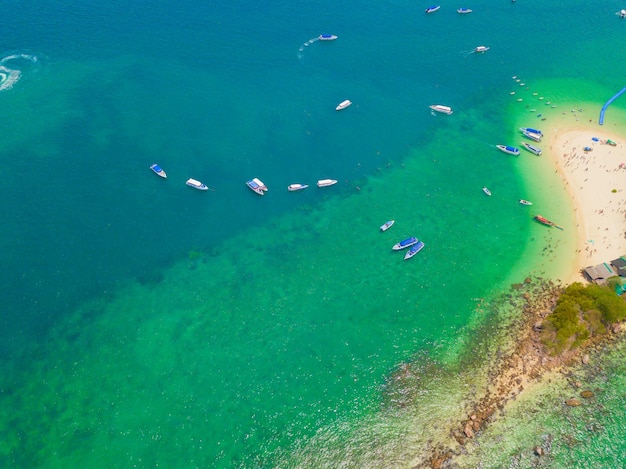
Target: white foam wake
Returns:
[[303, 46], [10, 72]]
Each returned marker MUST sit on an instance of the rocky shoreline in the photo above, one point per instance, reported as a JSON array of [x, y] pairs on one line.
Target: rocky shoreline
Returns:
[[518, 370]]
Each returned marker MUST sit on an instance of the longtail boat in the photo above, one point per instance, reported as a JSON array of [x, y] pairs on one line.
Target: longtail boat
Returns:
[[546, 222]]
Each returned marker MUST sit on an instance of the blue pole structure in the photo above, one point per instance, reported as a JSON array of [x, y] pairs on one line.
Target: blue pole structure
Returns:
[[601, 121]]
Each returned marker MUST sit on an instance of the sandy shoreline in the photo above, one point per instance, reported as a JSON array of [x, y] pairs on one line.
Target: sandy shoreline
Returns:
[[595, 181]]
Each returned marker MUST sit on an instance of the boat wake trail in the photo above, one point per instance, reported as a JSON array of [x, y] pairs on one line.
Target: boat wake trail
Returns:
[[304, 46], [10, 69]]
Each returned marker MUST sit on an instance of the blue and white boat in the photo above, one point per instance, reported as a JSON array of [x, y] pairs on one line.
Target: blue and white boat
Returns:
[[405, 243], [327, 37], [386, 226], [532, 148], [532, 131], [464, 10], [414, 250], [481, 49], [532, 136], [158, 171], [433, 9], [257, 186], [507, 149], [196, 184]]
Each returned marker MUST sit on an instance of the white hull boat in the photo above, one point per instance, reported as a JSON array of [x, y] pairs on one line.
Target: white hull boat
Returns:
[[532, 148], [327, 37], [507, 149], [481, 49], [386, 226], [158, 171], [196, 184], [525, 202], [441, 108], [417, 247], [343, 105], [486, 191], [297, 187], [326, 182], [256, 185]]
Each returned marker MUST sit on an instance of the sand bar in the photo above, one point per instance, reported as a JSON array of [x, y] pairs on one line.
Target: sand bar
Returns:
[[595, 179]]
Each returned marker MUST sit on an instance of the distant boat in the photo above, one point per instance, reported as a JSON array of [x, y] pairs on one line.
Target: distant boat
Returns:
[[464, 10], [405, 243], [532, 131], [507, 149], [297, 187], [486, 191], [343, 105], [441, 108], [545, 221], [196, 184], [433, 9], [481, 49], [157, 170], [532, 148], [326, 182], [387, 225], [532, 136], [417, 247], [525, 202], [257, 186], [327, 37]]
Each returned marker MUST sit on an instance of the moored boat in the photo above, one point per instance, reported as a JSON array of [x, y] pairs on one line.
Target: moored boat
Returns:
[[525, 202], [417, 247], [405, 243], [531, 130], [297, 187], [508, 149], [464, 10], [441, 108], [326, 182], [343, 105], [532, 136], [433, 9], [532, 148], [486, 191], [386, 226], [481, 49], [327, 37], [158, 170], [196, 184], [256, 185], [545, 221]]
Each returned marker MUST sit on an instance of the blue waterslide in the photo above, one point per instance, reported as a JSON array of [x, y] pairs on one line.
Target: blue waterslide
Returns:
[[601, 121]]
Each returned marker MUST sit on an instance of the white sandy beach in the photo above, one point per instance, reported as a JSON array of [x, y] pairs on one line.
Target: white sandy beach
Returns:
[[595, 180]]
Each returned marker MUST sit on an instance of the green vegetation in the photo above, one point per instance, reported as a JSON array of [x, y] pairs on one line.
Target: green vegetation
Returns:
[[581, 312]]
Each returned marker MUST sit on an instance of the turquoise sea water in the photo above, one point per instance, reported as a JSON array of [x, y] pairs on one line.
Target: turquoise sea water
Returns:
[[145, 323]]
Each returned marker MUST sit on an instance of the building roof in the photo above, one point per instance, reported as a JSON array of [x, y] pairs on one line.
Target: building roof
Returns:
[[620, 265], [600, 272]]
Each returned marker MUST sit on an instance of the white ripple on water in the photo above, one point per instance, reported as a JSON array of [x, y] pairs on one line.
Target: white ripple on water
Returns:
[[9, 74]]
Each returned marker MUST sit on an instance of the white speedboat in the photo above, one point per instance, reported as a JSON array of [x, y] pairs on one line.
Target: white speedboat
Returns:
[[327, 37], [531, 130], [441, 108], [196, 184], [417, 247], [433, 9], [405, 243], [326, 182], [464, 10], [481, 49], [158, 170], [296, 187], [507, 149], [532, 136], [486, 191], [386, 226], [525, 202], [343, 105], [532, 148], [256, 185]]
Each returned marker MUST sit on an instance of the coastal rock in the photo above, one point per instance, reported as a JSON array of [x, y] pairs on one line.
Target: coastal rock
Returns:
[[587, 394], [585, 359], [538, 450], [467, 431], [573, 402]]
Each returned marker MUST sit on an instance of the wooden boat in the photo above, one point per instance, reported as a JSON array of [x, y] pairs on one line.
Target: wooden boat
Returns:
[[545, 221]]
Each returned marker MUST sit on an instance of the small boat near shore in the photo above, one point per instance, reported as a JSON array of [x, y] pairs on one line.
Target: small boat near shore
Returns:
[[508, 149], [297, 187], [481, 49], [417, 247], [326, 182], [525, 202], [531, 130], [386, 226], [433, 9], [405, 243], [327, 37], [343, 105], [464, 10], [532, 136], [532, 148], [256, 185], [441, 108], [487, 191], [196, 184], [545, 221], [158, 171]]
